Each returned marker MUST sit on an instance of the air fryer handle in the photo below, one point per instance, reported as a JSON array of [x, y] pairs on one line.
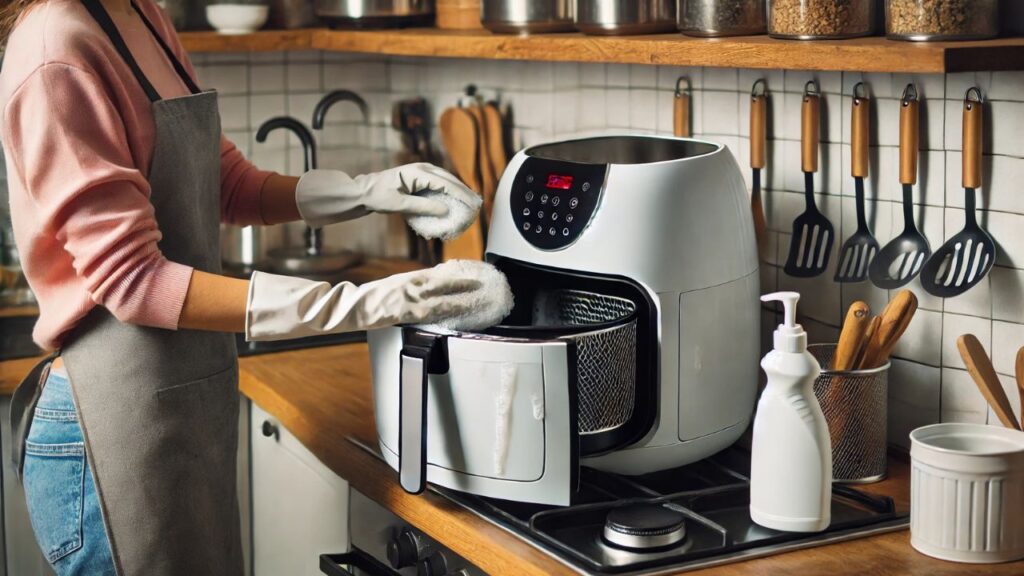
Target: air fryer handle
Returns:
[[422, 354]]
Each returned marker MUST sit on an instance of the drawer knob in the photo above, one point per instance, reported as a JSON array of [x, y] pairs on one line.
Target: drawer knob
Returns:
[[269, 429]]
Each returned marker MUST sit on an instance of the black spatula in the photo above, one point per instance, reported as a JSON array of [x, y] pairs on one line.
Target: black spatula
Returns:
[[813, 235], [861, 247], [902, 258], [967, 257]]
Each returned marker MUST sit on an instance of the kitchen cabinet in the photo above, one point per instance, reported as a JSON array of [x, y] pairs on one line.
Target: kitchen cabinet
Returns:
[[299, 506], [19, 554]]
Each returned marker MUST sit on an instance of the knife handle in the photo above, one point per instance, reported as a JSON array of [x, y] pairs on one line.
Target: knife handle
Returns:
[[758, 130], [860, 136], [681, 123], [811, 127], [910, 118], [972, 138]]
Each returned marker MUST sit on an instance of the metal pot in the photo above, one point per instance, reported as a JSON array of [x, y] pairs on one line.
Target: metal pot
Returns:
[[375, 13], [714, 18], [528, 16], [611, 17]]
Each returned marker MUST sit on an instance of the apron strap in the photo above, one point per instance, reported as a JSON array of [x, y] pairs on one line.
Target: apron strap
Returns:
[[178, 67], [102, 17]]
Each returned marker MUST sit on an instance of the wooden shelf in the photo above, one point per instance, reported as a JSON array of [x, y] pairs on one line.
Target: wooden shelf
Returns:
[[857, 55]]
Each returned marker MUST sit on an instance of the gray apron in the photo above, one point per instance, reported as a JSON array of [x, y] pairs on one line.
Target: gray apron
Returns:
[[159, 408]]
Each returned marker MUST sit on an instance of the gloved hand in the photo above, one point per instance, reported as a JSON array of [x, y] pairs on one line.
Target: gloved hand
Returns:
[[458, 295], [435, 203]]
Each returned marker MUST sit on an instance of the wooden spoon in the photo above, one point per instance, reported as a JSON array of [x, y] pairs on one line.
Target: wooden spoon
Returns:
[[496, 152], [980, 368], [1020, 378], [851, 340], [895, 319], [459, 134]]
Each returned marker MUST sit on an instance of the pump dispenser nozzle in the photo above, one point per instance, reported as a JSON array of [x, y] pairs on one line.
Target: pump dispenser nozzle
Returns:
[[790, 336]]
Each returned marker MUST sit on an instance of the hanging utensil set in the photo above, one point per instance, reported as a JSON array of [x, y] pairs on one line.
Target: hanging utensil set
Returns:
[[960, 264]]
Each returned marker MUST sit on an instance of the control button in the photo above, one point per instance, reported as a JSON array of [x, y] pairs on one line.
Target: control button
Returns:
[[565, 231], [586, 186], [526, 225], [556, 201], [569, 218], [540, 214], [406, 549], [543, 198], [526, 211], [529, 178], [538, 229], [435, 565], [574, 203], [552, 231], [554, 215], [529, 195]]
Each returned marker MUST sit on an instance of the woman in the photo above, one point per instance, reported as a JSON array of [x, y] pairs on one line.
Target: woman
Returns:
[[119, 177]]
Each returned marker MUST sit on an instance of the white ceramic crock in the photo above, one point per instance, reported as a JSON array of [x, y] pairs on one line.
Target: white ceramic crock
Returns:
[[967, 492]]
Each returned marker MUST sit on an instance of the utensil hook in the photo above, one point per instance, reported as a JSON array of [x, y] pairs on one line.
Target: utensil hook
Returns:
[[860, 92], [909, 94], [978, 99], [760, 88], [679, 86], [470, 97], [811, 88]]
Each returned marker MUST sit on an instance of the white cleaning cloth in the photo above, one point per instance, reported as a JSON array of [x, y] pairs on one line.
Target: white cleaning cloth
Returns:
[[462, 212], [459, 295]]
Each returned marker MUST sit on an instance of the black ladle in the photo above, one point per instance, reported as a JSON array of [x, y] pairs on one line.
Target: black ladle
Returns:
[[813, 235], [860, 248], [966, 258], [902, 258]]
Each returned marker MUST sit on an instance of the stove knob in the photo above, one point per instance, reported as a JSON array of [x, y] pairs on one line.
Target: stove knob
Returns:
[[434, 565], [406, 549]]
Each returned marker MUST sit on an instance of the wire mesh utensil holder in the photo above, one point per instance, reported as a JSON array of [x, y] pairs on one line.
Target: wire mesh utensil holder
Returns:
[[855, 403]]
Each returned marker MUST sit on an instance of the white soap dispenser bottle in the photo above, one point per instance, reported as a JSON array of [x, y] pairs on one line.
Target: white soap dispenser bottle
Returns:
[[791, 463]]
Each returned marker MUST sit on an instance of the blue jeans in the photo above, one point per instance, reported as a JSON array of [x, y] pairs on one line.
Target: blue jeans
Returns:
[[62, 500]]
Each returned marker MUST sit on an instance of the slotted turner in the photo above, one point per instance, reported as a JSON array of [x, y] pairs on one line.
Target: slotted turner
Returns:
[[861, 247], [967, 257], [901, 259], [813, 235]]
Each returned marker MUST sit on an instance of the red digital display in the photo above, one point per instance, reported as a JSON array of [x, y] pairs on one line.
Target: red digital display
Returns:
[[559, 181]]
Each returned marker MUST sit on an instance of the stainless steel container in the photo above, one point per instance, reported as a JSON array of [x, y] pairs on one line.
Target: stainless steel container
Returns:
[[291, 14], [926, 20], [528, 16], [375, 13], [715, 18], [611, 17]]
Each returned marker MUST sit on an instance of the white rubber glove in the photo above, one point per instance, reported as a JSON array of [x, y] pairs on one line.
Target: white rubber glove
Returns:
[[436, 203], [457, 295]]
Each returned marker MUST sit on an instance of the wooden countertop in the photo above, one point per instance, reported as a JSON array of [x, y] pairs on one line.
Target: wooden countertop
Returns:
[[323, 396]]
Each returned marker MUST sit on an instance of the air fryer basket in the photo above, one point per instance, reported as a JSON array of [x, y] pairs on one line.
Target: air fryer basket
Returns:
[[604, 330]]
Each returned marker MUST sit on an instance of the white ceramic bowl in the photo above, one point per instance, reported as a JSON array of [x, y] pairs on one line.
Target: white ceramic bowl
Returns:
[[967, 492], [236, 18]]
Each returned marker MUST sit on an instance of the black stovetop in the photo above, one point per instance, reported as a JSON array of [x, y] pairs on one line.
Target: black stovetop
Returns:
[[714, 497]]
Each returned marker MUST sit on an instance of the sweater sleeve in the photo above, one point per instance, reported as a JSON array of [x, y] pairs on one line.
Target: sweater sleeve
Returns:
[[240, 181], [79, 171]]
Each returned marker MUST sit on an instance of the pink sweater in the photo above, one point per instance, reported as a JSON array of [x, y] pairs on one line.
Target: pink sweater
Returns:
[[78, 134]]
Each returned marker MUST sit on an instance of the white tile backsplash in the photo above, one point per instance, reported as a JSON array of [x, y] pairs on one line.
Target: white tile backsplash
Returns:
[[556, 100]]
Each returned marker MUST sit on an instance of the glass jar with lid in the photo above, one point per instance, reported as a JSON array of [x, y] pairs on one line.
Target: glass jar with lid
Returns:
[[820, 19], [925, 20]]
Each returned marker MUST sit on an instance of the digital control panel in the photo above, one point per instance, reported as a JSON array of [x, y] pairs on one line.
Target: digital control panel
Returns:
[[552, 202]]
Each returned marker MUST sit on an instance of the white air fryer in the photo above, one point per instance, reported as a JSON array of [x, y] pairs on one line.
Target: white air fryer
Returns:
[[633, 345]]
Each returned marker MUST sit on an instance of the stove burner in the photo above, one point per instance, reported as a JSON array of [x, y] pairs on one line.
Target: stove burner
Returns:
[[644, 527]]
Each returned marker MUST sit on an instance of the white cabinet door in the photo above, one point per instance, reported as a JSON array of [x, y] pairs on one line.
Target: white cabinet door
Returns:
[[23, 557], [299, 506]]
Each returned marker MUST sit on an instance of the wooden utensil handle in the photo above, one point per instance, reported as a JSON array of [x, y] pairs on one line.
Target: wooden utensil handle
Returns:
[[858, 318], [811, 132], [909, 138], [984, 374], [972, 139], [682, 116], [758, 130], [860, 136]]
